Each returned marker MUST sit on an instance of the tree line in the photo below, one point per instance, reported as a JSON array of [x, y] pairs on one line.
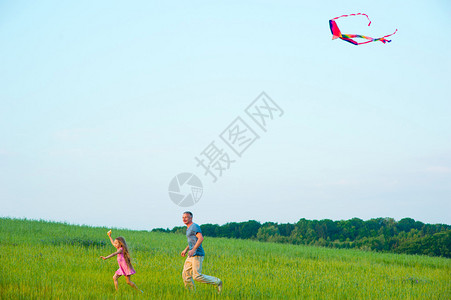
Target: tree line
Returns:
[[379, 234]]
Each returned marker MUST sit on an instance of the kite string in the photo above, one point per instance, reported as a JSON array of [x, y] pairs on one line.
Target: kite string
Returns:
[[358, 14]]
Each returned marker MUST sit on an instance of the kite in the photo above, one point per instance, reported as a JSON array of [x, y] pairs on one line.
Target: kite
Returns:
[[336, 33]]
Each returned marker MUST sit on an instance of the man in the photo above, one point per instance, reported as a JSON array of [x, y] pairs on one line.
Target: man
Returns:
[[193, 263]]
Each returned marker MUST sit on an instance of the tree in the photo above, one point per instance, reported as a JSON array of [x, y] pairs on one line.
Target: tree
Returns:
[[210, 229], [249, 229], [406, 224], [267, 231], [286, 229]]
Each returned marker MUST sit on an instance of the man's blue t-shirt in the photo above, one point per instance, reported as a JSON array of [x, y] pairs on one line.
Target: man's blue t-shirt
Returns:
[[192, 239]]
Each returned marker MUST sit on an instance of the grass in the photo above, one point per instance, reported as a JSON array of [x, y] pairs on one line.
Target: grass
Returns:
[[40, 259]]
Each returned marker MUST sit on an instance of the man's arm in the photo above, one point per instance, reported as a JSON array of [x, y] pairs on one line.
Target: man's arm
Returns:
[[184, 251], [200, 239]]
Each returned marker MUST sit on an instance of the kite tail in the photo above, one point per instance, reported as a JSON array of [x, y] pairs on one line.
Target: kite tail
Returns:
[[348, 38], [351, 36], [383, 39], [358, 14]]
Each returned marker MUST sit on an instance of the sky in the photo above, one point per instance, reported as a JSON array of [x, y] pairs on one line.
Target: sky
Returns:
[[103, 103]]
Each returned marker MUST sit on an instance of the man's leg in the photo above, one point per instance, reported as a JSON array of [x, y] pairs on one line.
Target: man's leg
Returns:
[[187, 273], [197, 272]]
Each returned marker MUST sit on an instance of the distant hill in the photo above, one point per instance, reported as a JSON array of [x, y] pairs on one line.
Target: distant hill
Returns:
[[380, 234]]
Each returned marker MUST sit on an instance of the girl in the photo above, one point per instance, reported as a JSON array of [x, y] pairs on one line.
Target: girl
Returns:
[[123, 259]]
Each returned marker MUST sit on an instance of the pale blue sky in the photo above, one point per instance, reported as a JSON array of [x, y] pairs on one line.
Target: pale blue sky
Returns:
[[103, 103]]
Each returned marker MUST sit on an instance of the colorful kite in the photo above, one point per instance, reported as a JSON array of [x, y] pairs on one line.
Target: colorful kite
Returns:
[[336, 33]]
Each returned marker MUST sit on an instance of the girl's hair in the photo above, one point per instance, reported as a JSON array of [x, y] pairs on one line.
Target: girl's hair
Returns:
[[126, 253]]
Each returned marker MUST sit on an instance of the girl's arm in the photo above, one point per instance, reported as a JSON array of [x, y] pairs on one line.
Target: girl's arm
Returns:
[[109, 235], [112, 254]]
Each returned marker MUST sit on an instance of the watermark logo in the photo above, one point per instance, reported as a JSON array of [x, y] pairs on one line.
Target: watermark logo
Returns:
[[215, 159], [185, 189]]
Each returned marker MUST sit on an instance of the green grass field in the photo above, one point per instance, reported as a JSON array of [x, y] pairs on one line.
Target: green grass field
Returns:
[[51, 260]]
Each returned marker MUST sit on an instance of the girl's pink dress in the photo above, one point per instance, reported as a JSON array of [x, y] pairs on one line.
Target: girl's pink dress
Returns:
[[124, 269]]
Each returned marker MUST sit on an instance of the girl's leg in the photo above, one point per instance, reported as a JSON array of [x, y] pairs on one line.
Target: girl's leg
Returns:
[[115, 277], [131, 283]]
